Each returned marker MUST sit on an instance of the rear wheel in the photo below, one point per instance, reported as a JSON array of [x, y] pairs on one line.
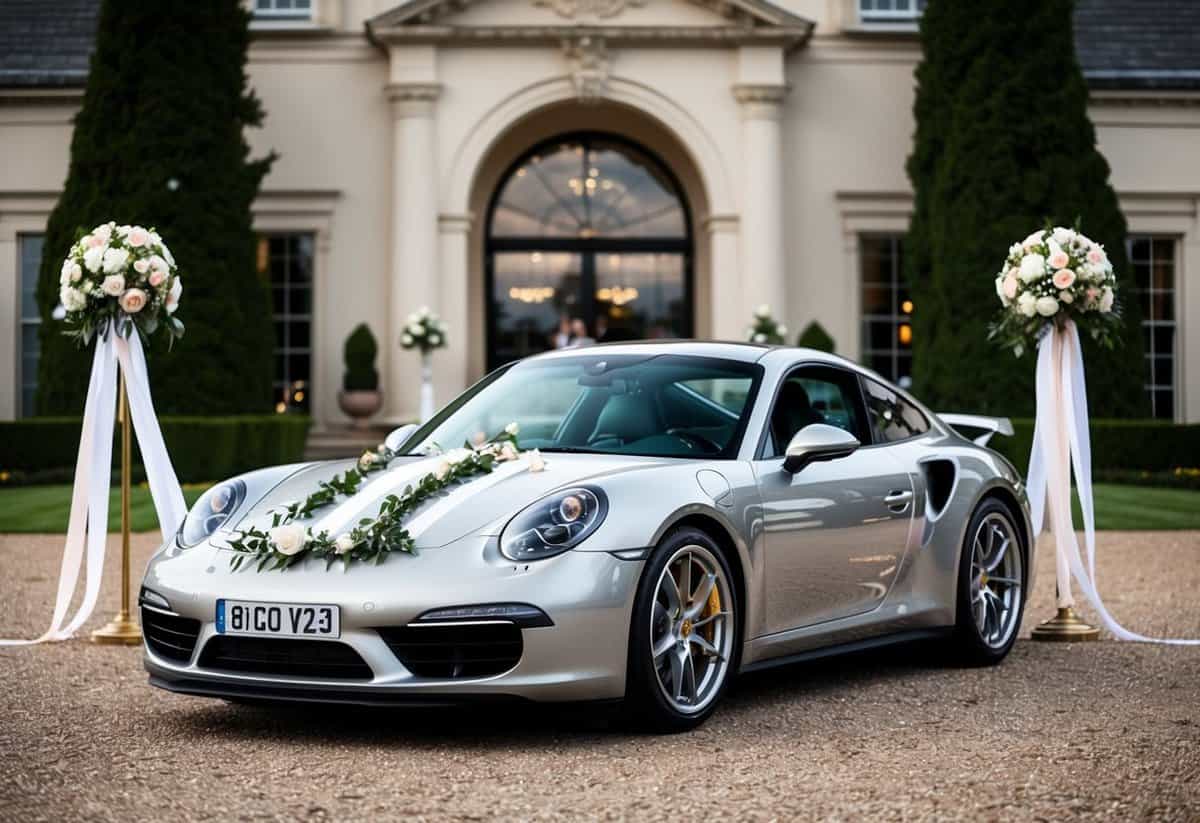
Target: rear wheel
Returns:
[[991, 586], [684, 635]]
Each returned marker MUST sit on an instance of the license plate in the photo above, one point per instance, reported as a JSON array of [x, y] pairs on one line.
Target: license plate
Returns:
[[278, 619]]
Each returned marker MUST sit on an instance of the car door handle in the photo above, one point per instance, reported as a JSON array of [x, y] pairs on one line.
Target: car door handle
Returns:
[[897, 500]]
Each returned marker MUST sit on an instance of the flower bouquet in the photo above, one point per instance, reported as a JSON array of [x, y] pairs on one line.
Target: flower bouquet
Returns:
[[1053, 276], [764, 328], [425, 331], [123, 276]]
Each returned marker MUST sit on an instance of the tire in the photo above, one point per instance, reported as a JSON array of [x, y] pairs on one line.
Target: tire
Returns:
[[986, 641], [656, 621]]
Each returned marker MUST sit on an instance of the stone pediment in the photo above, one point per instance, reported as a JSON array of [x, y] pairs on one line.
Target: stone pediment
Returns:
[[626, 22]]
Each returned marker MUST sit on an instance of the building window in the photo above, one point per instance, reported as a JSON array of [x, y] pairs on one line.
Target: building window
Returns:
[[283, 9], [890, 11], [1152, 258], [30, 250], [285, 261], [886, 308]]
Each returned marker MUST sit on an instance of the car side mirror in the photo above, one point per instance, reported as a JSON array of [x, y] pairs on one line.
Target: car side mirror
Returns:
[[816, 442], [398, 437]]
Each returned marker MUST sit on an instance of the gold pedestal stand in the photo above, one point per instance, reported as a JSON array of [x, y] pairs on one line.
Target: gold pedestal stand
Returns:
[[123, 629], [1065, 627]]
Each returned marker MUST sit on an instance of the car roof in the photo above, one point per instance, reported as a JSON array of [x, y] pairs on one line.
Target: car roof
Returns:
[[726, 349]]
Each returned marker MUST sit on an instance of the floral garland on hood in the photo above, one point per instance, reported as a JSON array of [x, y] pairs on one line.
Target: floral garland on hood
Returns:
[[371, 541]]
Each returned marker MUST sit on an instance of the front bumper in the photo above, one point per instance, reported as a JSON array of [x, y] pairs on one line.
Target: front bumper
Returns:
[[587, 595]]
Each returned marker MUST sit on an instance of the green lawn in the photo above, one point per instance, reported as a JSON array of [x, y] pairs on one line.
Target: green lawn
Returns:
[[44, 508]]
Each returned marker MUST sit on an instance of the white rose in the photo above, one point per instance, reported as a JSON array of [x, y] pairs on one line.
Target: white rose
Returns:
[[512, 428], [72, 299], [435, 340], [1033, 266], [1046, 306], [1032, 240], [763, 311], [104, 232], [173, 295], [423, 311], [93, 257], [443, 469], [1063, 236], [157, 262], [536, 462], [415, 329], [115, 260], [1015, 250], [113, 285], [1066, 297], [781, 330], [289, 539], [167, 253], [456, 456], [1000, 286], [141, 266], [406, 340], [1106, 300], [1027, 304], [760, 338], [343, 544], [366, 461]]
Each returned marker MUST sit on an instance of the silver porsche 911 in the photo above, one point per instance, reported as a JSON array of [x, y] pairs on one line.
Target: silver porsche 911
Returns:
[[704, 509]]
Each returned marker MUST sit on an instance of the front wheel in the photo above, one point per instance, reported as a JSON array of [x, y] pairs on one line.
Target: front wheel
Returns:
[[683, 637], [991, 586]]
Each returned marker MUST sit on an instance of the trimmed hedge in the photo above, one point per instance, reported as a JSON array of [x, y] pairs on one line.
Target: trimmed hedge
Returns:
[[201, 448], [1118, 445]]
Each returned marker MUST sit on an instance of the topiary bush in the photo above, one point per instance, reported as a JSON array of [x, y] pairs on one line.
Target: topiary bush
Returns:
[[359, 354], [814, 336], [160, 141], [1003, 143]]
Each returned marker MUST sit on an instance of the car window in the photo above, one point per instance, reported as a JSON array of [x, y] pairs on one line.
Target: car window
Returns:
[[892, 417], [815, 394]]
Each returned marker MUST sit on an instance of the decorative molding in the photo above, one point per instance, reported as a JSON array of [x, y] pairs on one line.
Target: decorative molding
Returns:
[[760, 92], [455, 223], [588, 62], [572, 9], [403, 92]]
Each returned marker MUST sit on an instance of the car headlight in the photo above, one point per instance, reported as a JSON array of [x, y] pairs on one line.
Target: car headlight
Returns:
[[554, 524], [211, 512]]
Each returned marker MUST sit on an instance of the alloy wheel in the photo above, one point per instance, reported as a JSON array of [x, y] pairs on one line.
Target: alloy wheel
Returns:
[[996, 579]]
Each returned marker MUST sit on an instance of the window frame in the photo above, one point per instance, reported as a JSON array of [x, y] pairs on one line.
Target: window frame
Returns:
[[895, 316], [1149, 353], [23, 320], [873, 18], [286, 316], [896, 390], [764, 436], [274, 14]]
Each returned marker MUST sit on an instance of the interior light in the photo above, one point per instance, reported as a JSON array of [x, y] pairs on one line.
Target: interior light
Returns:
[[905, 333], [906, 307]]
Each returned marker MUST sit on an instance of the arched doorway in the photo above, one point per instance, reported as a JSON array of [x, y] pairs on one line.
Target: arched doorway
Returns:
[[587, 226]]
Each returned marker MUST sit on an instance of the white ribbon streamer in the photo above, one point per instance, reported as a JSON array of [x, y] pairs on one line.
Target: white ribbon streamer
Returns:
[[87, 526], [1061, 441]]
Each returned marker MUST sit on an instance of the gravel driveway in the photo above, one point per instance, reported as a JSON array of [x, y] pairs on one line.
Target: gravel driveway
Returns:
[[1104, 731]]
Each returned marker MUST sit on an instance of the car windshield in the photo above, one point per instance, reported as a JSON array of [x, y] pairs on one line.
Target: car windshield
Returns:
[[658, 406]]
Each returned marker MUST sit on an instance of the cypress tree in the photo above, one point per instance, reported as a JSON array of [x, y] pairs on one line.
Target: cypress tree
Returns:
[[159, 142], [1003, 143]]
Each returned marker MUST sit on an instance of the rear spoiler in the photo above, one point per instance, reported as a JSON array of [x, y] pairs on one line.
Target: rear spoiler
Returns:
[[989, 425]]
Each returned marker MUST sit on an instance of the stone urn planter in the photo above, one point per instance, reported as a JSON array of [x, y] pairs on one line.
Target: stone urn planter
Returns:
[[360, 396], [360, 405]]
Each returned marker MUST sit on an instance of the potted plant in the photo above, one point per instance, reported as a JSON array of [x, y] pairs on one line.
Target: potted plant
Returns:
[[360, 396]]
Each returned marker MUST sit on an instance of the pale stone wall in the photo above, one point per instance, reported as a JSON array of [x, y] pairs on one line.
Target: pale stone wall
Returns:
[[388, 154]]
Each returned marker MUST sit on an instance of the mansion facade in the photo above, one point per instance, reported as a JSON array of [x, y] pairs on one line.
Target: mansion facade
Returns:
[[653, 168]]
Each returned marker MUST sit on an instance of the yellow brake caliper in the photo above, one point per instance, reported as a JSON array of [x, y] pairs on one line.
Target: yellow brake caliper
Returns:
[[713, 606]]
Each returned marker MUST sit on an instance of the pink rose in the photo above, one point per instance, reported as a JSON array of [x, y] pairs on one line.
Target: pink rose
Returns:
[[1010, 286], [157, 278], [141, 266], [1092, 293], [1095, 255], [1063, 278], [137, 237], [95, 241], [133, 301], [1059, 260]]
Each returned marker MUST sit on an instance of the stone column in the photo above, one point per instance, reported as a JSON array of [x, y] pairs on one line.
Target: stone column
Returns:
[[728, 317], [453, 373], [414, 230], [764, 268]]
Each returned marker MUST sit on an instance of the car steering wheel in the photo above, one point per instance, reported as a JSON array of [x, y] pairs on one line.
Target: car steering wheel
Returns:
[[695, 439]]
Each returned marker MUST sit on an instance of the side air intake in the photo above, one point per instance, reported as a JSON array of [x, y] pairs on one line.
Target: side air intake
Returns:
[[939, 485]]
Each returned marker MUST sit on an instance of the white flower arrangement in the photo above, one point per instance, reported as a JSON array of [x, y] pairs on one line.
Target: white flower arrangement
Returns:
[[424, 331], [119, 275], [1055, 275], [764, 328]]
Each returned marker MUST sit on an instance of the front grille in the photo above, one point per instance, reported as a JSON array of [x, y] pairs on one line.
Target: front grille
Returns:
[[455, 651], [285, 657], [170, 636]]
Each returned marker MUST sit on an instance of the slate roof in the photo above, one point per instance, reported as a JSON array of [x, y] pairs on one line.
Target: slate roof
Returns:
[[46, 45], [1139, 44], [1122, 44]]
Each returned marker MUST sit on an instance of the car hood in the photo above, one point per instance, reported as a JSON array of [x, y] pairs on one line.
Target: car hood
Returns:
[[481, 505]]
